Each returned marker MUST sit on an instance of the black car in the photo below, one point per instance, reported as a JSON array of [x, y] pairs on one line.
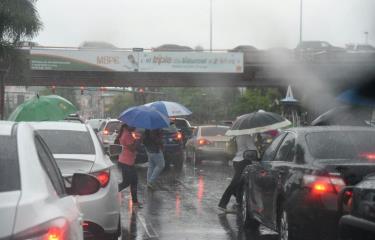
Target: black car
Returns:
[[173, 148], [357, 204], [184, 127], [294, 188]]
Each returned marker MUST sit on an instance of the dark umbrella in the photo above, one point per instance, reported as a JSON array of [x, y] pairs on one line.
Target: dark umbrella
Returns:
[[344, 115], [257, 122], [144, 117]]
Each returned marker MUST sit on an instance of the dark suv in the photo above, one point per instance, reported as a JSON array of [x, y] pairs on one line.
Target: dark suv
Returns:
[[294, 188], [173, 148]]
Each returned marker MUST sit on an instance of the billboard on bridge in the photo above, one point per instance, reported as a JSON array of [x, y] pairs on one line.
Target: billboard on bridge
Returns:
[[126, 61]]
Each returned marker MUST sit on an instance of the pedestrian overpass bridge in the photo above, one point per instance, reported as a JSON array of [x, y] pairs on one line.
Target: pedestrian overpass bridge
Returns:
[[124, 68]]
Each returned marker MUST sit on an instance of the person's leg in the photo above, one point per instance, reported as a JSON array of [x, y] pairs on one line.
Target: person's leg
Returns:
[[239, 190], [125, 177], [151, 166], [134, 184], [159, 166], [230, 189]]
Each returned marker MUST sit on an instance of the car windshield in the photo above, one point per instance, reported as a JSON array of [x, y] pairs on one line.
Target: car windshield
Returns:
[[341, 144], [9, 166], [213, 131], [68, 142], [113, 126]]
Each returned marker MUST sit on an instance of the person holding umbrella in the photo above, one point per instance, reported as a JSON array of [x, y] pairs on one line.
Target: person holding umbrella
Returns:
[[126, 162], [153, 142], [245, 129]]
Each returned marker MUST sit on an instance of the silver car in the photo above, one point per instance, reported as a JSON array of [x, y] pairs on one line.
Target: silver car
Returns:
[[33, 199], [108, 131], [207, 142], [76, 148]]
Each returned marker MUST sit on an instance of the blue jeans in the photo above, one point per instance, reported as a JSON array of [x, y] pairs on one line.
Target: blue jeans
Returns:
[[156, 164]]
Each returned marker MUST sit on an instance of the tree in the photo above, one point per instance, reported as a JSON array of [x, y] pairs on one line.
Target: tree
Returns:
[[119, 104], [19, 21]]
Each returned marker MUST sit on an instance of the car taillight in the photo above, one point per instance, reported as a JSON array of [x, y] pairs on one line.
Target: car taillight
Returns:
[[368, 155], [179, 136], [323, 184], [54, 230], [105, 132], [203, 141], [103, 177]]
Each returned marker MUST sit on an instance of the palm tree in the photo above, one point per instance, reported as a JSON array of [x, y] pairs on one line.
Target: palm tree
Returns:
[[19, 21]]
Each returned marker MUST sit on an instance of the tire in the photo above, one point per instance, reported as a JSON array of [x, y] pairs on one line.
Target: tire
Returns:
[[118, 234], [248, 221], [179, 163], [284, 225]]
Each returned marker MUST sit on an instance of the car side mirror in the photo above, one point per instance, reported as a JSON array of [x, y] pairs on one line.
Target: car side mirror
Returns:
[[84, 184], [251, 155], [114, 150]]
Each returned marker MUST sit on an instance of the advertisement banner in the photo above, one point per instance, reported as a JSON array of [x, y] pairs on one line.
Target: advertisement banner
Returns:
[[84, 60], [191, 62], [127, 61]]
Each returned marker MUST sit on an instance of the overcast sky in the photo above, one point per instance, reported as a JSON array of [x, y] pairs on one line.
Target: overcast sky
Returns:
[[150, 23]]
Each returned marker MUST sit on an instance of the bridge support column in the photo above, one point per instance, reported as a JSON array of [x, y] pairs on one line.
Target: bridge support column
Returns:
[[2, 97]]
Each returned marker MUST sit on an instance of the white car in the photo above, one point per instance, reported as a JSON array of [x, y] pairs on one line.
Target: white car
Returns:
[[108, 131], [76, 148], [33, 199]]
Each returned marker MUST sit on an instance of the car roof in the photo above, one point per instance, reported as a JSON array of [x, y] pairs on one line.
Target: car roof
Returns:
[[222, 126], [69, 126], [304, 130], [112, 120], [6, 128]]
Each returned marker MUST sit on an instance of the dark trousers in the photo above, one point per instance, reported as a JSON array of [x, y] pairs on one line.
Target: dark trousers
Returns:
[[129, 177], [235, 186]]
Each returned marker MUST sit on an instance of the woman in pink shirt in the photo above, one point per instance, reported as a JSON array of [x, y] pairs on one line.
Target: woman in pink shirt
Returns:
[[126, 162]]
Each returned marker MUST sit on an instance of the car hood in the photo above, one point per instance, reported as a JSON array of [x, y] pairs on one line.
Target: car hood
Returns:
[[8, 208], [73, 163]]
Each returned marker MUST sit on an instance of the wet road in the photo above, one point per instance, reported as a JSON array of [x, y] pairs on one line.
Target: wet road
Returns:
[[184, 206]]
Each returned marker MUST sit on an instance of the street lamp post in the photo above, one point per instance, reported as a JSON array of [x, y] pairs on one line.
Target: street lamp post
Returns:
[[211, 25], [300, 21], [366, 37]]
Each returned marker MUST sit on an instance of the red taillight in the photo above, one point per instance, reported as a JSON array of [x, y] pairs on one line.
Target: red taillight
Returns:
[[324, 184], [179, 136], [105, 132], [203, 141], [368, 155], [54, 233], [103, 177], [56, 229]]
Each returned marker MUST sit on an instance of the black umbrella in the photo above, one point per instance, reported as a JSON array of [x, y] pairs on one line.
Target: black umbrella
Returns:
[[344, 115], [257, 122]]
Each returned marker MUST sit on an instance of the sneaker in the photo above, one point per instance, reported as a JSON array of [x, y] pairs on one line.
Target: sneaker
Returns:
[[225, 210]]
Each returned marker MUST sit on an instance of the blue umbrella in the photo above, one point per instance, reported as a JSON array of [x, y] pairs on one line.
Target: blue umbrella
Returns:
[[170, 109], [355, 97], [144, 117]]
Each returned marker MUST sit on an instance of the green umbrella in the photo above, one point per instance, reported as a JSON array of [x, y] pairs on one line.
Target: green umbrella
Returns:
[[43, 108]]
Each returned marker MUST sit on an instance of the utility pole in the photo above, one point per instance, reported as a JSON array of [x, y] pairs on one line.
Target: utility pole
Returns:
[[211, 25], [300, 21], [366, 37]]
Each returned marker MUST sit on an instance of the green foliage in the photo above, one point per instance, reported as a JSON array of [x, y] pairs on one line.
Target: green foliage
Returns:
[[119, 104], [255, 99]]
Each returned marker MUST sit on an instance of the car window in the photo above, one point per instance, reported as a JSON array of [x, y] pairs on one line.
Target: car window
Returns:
[[102, 125], [213, 131], [181, 123], [341, 144], [286, 150], [113, 126], [68, 142], [270, 152], [50, 166], [9, 166]]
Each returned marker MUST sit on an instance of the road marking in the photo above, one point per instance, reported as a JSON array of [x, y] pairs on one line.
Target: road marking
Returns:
[[149, 229]]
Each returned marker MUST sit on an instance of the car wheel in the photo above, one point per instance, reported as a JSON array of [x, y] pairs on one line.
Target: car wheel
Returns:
[[284, 225], [179, 163], [118, 234], [248, 220]]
